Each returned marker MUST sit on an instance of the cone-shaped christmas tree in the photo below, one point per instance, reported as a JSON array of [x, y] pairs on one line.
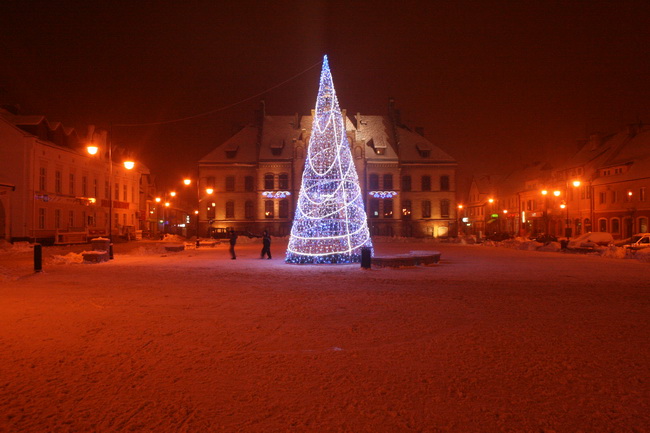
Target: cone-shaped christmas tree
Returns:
[[330, 223]]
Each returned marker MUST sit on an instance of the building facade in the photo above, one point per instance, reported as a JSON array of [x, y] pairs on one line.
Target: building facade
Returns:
[[408, 183], [59, 193]]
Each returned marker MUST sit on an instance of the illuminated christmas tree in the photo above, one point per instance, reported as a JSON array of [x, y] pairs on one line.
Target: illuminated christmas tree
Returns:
[[330, 224]]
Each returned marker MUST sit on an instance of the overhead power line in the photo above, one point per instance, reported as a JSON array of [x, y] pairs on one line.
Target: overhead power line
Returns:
[[207, 113]]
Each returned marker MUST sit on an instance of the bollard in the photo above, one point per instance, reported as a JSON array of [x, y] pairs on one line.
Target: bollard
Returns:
[[38, 258], [110, 251], [366, 259]]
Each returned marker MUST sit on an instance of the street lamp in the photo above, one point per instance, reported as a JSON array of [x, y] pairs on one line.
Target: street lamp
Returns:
[[567, 228], [460, 208], [209, 191], [92, 150]]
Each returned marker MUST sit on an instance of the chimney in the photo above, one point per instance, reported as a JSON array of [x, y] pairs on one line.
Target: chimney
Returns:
[[296, 121]]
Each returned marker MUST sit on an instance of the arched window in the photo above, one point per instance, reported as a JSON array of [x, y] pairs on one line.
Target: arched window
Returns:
[[587, 225], [230, 209], [284, 208], [616, 225], [268, 182], [283, 181], [643, 225], [388, 181], [249, 210], [602, 225], [268, 209], [373, 181]]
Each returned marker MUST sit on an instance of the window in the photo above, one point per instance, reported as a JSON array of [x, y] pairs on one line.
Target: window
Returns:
[[117, 220], [249, 184], [602, 225], [444, 183], [642, 193], [124, 192], [444, 208], [268, 208], [84, 186], [116, 196], [123, 219], [406, 209], [373, 181], [132, 193], [42, 178], [41, 218], [210, 182], [58, 181], [107, 190], [283, 181], [249, 210], [388, 208], [602, 197], [211, 211], [614, 196], [388, 181], [71, 218], [426, 209], [616, 225], [374, 208], [57, 218], [426, 183], [230, 209], [230, 183], [72, 182], [643, 225], [268, 182], [628, 196], [406, 183], [284, 208]]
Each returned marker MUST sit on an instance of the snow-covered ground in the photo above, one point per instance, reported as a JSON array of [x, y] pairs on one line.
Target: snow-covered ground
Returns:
[[489, 340]]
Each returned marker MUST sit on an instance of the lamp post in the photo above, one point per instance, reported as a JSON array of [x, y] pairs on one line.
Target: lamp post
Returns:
[[567, 228], [458, 219], [92, 150], [209, 191]]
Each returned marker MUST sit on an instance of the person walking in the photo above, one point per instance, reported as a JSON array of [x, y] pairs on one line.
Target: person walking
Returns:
[[266, 245], [233, 242]]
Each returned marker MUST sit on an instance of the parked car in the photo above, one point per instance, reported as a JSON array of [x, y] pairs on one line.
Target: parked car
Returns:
[[498, 236], [638, 241], [544, 238], [591, 240]]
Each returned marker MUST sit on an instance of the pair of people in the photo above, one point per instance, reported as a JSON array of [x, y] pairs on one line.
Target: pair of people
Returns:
[[266, 245]]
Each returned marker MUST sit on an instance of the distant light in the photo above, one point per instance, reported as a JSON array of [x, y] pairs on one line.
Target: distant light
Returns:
[[465, 219], [129, 165], [209, 190], [505, 211], [576, 183], [167, 204], [196, 212], [173, 193], [158, 199], [92, 149], [187, 181], [460, 206], [629, 193], [491, 200], [383, 194], [562, 206], [556, 193], [544, 192]]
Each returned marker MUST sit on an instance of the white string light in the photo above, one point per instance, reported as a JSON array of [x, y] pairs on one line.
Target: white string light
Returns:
[[330, 224]]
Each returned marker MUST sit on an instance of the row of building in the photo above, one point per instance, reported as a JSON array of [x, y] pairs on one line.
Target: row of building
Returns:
[[53, 191], [602, 188]]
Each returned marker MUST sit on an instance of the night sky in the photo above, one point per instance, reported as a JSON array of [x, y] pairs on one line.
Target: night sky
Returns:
[[495, 84]]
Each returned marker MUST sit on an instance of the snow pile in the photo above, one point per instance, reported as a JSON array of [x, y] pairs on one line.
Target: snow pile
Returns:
[[173, 238], [68, 259], [643, 255], [15, 248], [148, 250], [551, 246], [613, 252]]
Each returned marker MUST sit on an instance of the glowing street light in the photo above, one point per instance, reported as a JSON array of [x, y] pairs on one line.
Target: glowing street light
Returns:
[[187, 181], [92, 149]]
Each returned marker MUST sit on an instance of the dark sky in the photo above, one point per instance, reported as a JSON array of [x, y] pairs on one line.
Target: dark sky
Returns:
[[493, 83]]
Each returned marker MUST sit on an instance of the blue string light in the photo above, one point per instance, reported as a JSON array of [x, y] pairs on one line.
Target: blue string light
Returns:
[[330, 224]]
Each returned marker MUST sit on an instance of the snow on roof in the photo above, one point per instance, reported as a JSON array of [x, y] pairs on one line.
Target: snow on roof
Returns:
[[241, 147]]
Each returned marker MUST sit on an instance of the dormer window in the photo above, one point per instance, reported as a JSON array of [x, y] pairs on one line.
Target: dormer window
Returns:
[[231, 150], [378, 146], [424, 149], [276, 147]]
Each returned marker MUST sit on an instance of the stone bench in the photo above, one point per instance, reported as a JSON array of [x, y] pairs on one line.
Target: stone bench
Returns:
[[175, 248], [414, 258], [95, 256]]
